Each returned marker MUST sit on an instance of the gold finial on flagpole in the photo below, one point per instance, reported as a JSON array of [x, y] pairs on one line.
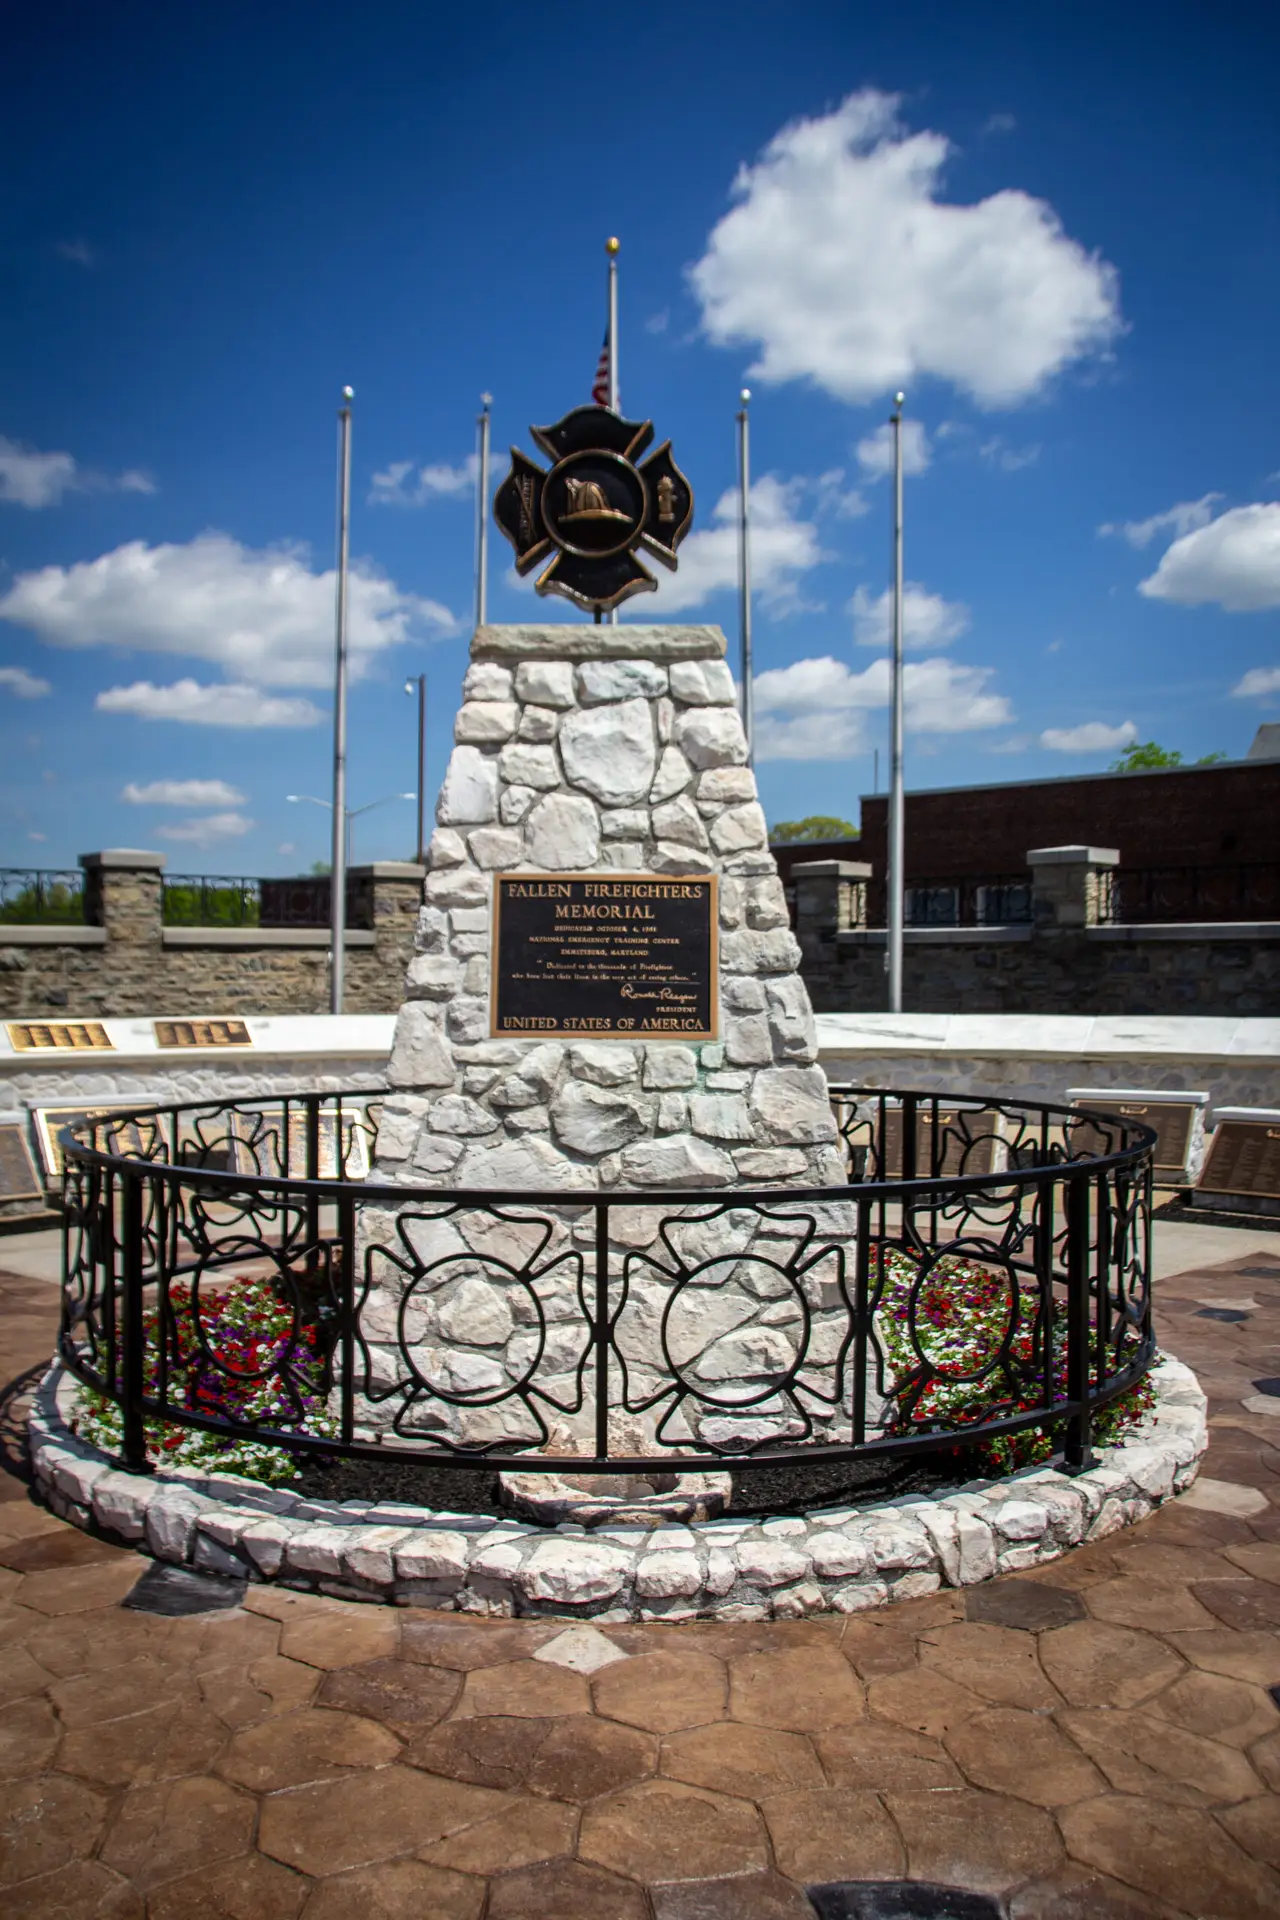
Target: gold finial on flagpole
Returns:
[[612, 245]]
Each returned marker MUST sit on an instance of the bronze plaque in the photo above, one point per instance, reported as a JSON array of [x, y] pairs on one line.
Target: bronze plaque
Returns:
[[1244, 1158], [40, 1036], [18, 1177], [967, 1143], [609, 954], [201, 1033], [1169, 1120]]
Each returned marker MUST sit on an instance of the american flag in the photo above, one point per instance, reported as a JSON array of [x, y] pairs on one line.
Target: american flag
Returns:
[[600, 390]]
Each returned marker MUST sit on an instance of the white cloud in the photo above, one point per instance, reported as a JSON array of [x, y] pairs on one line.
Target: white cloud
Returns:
[[845, 268], [29, 478], [1178, 520], [846, 503], [1258, 684], [658, 322], [209, 828], [875, 453], [229, 705], [27, 686], [927, 619], [77, 251], [183, 793], [1233, 560], [263, 617], [400, 485], [999, 123], [783, 546], [998, 453], [1092, 736], [814, 709]]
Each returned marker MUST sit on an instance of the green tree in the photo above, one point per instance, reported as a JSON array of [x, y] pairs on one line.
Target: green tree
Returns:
[[1144, 756], [818, 826]]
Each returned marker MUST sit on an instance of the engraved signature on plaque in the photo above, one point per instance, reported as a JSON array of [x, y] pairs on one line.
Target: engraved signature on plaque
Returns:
[[604, 954], [202, 1033], [40, 1036]]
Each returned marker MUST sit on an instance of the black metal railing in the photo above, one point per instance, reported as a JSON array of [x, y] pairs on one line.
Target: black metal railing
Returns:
[[233, 1268], [999, 901], [1147, 894], [41, 896], [211, 900]]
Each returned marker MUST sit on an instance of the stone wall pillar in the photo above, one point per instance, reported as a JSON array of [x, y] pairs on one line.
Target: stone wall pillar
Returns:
[[1072, 886], [386, 896], [123, 893], [831, 898]]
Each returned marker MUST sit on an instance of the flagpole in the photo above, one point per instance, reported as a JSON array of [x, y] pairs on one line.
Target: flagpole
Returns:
[[611, 248], [338, 876], [744, 570], [482, 514], [896, 887]]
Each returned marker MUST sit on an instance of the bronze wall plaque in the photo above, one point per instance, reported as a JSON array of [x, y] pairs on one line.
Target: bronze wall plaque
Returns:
[[202, 1033], [1244, 1158], [50, 1121], [1170, 1121], [605, 954], [18, 1177], [966, 1151], [41, 1036]]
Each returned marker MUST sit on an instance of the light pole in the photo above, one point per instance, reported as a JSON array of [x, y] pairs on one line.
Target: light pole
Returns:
[[419, 684], [744, 569], [482, 518], [349, 814], [338, 903], [897, 889]]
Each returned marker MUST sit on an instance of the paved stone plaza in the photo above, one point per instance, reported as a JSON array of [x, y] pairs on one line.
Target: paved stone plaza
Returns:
[[1096, 1738]]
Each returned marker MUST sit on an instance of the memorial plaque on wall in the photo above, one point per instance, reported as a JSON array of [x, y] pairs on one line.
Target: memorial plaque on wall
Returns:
[[609, 955], [43, 1036], [18, 1177], [201, 1033], [1244, 1158]]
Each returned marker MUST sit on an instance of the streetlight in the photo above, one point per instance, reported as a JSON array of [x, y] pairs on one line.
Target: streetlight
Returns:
[[419, 684], [350, 813]]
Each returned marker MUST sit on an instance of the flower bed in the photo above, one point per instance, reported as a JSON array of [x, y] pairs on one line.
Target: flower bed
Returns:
[[963, 1341], [234, 1352]]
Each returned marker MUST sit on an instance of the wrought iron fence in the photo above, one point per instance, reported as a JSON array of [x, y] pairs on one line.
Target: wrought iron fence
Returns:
[[234, 1269], [42, 896], [999, 901], [211, 900], [1146, 894]]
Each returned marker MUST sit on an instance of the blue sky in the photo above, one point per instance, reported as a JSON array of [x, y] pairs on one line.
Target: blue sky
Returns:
[[1055, 227]]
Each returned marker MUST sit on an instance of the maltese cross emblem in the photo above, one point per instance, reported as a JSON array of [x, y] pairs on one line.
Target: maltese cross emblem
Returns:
[[595, 508]]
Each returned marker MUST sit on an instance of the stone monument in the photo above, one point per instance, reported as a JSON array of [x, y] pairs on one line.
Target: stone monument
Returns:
[[605, 996]]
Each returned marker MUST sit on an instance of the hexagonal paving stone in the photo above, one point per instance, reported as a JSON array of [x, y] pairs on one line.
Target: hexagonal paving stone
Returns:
[[583, 1757], [397, 1890], [487, 1750], [1173, 1853], [341, 1637], [997, 1663], [1142, 1754], [981, 1841], [401, 1693], [1096, 1665], [252, 1886], [801, 1689], [521, 1834], [922, 1699], [566, 1889], [525, 1689], [663, 1691], [661, 1830], [367, 1817], [833, 1834], [464, 1644], [28, 1738], [1247, 1605], [1029, 1605], [297, 1749], [1150, 1606], [749, 1896], [46, 1821], [242, 1696], [749, 1761], [877, 1758], [1023, 1754], [178, 1737], [82, 1890], [1217, 1708], [161, 1832]]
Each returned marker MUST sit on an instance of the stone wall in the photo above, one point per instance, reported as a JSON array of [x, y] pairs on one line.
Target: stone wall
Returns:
[[125, 961], [1067, 962]]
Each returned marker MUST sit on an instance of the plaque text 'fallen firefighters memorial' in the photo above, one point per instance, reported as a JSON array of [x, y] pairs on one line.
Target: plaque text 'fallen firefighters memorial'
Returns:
[[605, 954]]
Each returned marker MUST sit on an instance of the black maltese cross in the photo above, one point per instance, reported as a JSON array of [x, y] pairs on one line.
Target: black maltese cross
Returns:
[[595, 508]]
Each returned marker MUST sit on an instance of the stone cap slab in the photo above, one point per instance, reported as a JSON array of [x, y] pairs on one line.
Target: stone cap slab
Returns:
[[126, 859], [828, 869], [624, 642], [388, 870], [1073, 857]]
